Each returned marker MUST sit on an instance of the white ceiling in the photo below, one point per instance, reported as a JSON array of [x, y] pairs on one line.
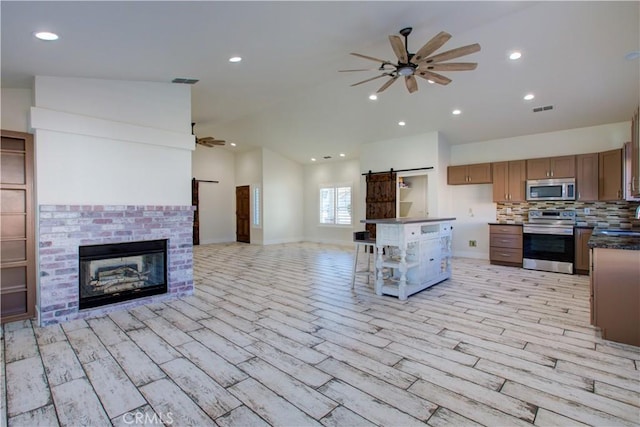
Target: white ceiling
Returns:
[[287, 95]]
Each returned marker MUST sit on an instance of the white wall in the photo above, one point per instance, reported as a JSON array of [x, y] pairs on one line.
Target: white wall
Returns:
[[216, 201], [472, 204], [248, 168], [15, 109], [415, 151], [112, 142], [345, 172], [282, 189]]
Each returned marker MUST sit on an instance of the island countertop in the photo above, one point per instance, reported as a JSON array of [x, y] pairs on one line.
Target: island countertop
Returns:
[[403, 220], [602, 240]]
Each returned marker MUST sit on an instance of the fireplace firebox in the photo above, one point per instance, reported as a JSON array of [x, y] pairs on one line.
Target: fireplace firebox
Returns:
[[122, 271]]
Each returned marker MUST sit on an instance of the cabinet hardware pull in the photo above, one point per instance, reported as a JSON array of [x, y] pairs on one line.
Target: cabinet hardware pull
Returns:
[[505, 255], [505, 197]]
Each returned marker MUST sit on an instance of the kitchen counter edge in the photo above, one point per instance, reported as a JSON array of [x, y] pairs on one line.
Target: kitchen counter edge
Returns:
[[404, 220]]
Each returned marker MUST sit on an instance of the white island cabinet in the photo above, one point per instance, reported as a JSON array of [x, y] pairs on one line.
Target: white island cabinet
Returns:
[[413, 254]]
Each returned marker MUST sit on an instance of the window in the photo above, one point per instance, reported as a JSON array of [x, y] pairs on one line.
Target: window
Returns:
[[335, 204], [256, 207]]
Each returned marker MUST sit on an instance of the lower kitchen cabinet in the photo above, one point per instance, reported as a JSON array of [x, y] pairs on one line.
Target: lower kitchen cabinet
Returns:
[[582, 236], [505, 244], [615, 294]]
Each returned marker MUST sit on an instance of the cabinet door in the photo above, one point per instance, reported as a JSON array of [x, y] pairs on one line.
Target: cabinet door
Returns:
[[457, 175], [635, 155], [563, 167], [610, 175], [500, 181], [587, 176], [480, 173], [582, 250], [517, 179], [538, 168]]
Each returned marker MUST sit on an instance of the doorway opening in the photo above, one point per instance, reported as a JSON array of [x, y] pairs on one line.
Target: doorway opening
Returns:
[[412, 195]]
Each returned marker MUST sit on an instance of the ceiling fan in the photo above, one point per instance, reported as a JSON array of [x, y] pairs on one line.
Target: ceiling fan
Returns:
[[207, 141], [422, 63]]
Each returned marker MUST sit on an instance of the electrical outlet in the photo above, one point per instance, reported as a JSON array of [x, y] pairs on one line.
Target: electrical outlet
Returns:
[[472, 243], [508, 211], [587, 211]]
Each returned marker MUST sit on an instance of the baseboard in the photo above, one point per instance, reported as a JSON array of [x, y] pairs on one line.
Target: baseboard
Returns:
[[470, 254]]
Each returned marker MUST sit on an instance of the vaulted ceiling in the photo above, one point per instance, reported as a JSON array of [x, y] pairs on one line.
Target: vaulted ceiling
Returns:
[[287, 94]]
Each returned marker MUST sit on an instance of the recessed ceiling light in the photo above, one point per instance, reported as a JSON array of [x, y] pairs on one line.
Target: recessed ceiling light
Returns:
[[515, 55], [456, 112], [401, 123], [313, 159], [529, 97], [233, 144], [431, 81], [342, 154], [235, 59], [46, 35], [373, 97]]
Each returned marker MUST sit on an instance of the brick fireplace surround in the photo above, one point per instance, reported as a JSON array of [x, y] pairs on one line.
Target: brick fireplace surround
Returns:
[[64, 228]]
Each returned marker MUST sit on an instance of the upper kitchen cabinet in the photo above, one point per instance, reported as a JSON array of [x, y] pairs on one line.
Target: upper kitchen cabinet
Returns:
[[551, 167], [610, 175], [632, 170], [469, 174], [509, 179], [587, 177]]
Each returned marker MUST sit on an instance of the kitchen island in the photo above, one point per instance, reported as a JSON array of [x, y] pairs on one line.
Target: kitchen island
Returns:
[[615, 284], [412, 254]]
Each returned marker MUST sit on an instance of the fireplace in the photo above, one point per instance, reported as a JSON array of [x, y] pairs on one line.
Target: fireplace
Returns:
[[121, 271]]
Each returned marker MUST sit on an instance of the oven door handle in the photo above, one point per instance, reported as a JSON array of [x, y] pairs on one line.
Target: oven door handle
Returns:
[[532, 229]]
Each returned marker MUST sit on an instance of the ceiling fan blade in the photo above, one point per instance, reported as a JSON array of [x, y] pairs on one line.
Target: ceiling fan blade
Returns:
[[209, 141], [359, 69], [371, 58], [368, 80], [453, 53], [435, 77], [432, 45], [412, 84], [450, 66], [398, 49], [387, 84]]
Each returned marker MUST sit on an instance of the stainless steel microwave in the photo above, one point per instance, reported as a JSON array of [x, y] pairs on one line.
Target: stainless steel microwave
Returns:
[[551, 189]]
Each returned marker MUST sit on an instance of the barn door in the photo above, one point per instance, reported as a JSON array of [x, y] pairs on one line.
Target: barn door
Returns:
[[381, 198], [17, 237], [243, 214]]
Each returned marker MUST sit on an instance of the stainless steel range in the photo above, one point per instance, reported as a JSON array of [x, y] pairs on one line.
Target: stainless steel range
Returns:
[[548, 243]]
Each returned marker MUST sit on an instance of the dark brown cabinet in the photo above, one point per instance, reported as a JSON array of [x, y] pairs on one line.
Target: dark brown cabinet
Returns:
[[582, 236], [505, 245], [610, 175], [469, 174], [587, 177], [509, 179], [551, 167]]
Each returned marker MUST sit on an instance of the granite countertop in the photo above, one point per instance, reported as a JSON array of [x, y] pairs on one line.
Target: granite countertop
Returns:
[[601, 240], [404, 220]]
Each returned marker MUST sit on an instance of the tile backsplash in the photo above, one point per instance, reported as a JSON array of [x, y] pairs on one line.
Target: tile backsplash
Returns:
[[602, 214]]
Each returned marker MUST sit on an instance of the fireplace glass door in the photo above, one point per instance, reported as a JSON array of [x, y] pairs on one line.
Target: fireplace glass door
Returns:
[[123, 271]]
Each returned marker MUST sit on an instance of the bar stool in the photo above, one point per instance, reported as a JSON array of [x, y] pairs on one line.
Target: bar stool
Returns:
[[369, 246]]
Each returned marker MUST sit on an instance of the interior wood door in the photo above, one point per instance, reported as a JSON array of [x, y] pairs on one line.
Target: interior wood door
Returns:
[[17, 237], [381, 198], [243, 214]]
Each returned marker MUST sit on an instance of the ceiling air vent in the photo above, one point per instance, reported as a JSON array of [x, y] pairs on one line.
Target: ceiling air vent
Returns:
[[185, 81], [326, 157], [545, 108]]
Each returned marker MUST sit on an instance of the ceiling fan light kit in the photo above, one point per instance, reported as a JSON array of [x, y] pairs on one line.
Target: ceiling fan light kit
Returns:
[[207, 141], [422, 63]]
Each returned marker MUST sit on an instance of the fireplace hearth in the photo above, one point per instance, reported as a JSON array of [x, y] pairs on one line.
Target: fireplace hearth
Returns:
[[118, 272]]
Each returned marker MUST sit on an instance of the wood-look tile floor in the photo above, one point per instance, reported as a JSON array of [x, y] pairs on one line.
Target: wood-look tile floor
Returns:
[[275, 336]]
